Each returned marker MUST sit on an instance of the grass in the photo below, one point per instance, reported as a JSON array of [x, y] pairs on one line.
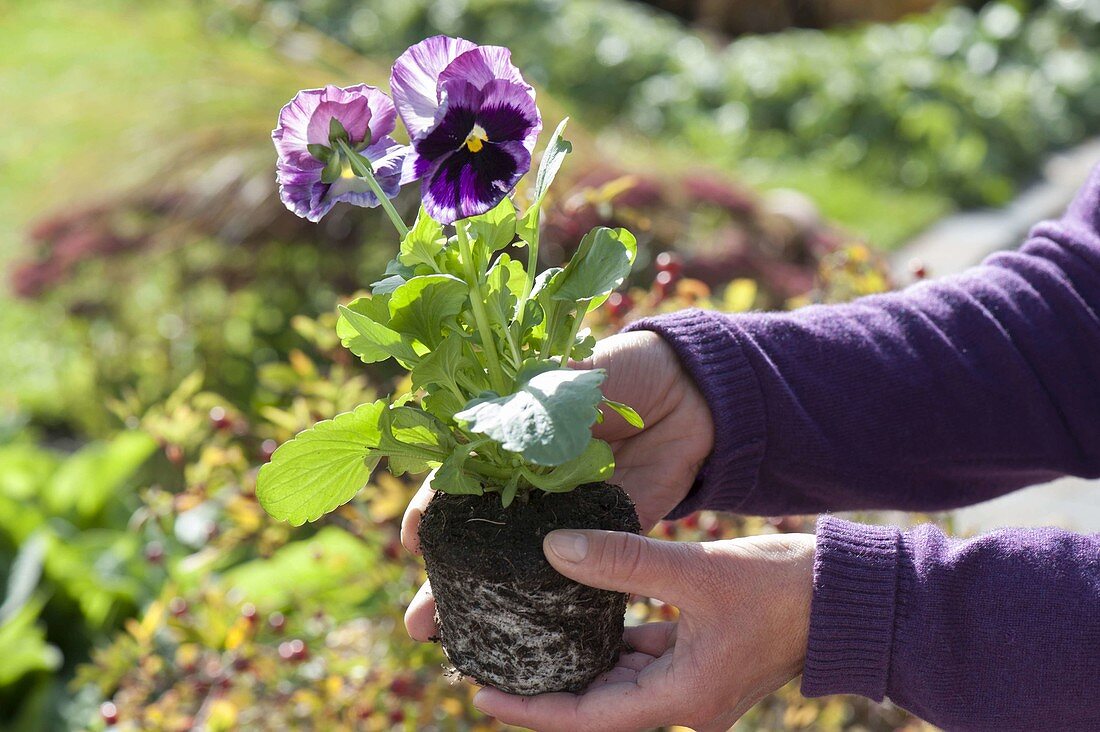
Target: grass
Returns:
[[884, 216], [98, 98]]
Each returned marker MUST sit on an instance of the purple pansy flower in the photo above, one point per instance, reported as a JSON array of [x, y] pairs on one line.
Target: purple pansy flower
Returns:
[[312, 173], [473, 123]]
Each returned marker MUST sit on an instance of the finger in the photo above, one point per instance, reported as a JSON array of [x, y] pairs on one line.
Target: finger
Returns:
[[410, 522], [617, 675], [634, 661], [420, 616], [615, 560], [651, 638], [622, 705]]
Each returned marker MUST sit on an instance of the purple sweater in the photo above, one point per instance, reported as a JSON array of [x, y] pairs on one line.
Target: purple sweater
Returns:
[[946, 394]]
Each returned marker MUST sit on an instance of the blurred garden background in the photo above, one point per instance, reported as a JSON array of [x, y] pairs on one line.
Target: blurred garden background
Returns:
[[165, 322]]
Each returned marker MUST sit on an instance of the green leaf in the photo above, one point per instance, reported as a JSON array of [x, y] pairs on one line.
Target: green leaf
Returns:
[[326, 567], [396, 274], [23, 645], [509, 493], [89, 478], [452, 478], [423, 306], [596, 463], [584, 346], [423, 243], [412, 439], [547, 420], [600, 264], [319, 152], [552, 158], [503, 286], [23, 575], [336, 131], [323, 467], [441, 366], [370, 340], [626, 412], [546, 284], [442, 402], [494, 229]]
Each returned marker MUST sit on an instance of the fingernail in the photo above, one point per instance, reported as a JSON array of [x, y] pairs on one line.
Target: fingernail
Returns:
[[479, 699], [572, 546]]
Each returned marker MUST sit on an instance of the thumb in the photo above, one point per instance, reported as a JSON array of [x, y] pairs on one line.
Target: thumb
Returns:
[[625, 562]]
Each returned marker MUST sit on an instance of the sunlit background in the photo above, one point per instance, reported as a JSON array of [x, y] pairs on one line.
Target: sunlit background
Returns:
[[165, 322]]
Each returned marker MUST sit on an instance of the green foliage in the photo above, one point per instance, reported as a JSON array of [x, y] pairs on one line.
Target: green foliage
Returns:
[[323, 467], [596, 463], [88, 479], [319, 570], [956, 107], [487, 346], [424, 307], [552, 158], [601, 263], [547, 418], [23, 645], [371, 340], [71, 565], [626, 412], [423, 243]]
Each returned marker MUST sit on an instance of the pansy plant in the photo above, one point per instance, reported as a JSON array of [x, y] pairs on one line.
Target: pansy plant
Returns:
[[494, 404]]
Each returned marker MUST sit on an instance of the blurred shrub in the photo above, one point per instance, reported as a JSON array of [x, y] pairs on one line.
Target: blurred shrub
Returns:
[[961, 103], [186, 276], [153, 290], [735, 17], [72, 569], [261, 626]]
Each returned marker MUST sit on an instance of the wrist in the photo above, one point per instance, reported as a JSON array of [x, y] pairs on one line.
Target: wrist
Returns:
[[709, 350], [799, 591], [784, 580]]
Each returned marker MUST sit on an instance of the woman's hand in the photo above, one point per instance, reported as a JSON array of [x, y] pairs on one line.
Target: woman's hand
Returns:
[[656, 466], [744, 619]]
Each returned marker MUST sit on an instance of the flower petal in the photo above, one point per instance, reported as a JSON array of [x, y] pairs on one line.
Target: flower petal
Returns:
[[465, 183], [480, 65], [305, 119], [303, 192], [353, 115], [414, 81], [383, 115], [453, 121], [508, 112], [387, 157], [368, 115]]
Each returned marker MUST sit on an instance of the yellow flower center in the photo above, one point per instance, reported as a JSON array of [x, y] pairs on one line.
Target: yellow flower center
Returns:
[[345, 170], [476, 139]]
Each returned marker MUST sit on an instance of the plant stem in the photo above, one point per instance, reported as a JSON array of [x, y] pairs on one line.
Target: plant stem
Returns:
[[532, 262], [477, 304], [517, 359], [582, 310], [551, 318], [488, 469], [362, 168]]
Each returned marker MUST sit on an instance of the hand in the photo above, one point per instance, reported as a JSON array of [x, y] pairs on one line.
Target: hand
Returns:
[[655, 466], [744, 620]]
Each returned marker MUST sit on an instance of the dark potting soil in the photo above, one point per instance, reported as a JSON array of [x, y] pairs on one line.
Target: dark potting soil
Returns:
[[506, 617]]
